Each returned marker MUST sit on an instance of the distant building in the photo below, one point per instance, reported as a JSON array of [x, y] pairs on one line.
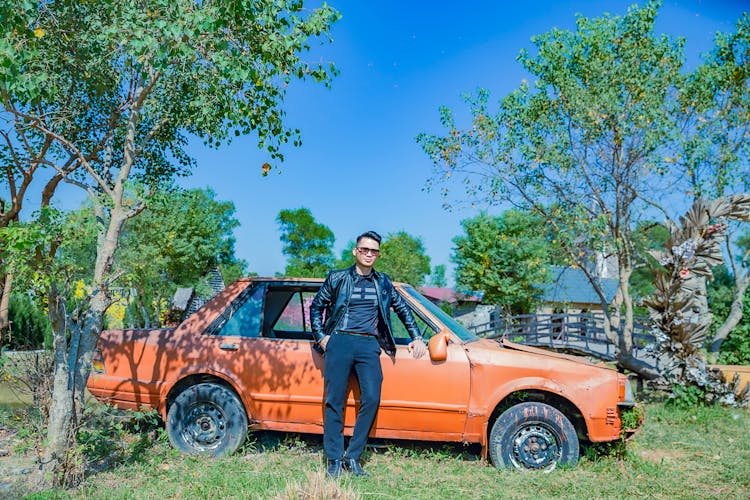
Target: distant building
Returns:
[[571, 291]]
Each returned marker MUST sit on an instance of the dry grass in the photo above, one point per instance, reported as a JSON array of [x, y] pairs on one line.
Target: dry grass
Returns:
[[317, 486]]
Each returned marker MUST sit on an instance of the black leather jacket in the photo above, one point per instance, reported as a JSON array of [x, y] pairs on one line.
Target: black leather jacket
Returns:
[[333, 298]]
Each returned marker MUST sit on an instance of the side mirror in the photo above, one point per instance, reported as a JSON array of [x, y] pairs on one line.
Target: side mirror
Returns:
[[438, 347]]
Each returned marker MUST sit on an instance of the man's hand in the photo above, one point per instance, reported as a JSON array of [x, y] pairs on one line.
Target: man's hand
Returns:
[[417, 348], [324, 342]]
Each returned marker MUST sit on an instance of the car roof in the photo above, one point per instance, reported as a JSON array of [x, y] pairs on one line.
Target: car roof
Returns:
[[287, 279]]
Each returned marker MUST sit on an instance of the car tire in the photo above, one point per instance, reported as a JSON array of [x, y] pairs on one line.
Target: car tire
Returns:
[[533, 436], [207, 419]]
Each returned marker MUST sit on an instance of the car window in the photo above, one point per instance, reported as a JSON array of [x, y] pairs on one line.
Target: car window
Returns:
[[401, 334], [243, 317], [293, 322], [442, 316]]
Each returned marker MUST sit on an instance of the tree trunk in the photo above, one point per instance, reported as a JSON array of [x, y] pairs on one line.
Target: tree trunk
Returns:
[[735, 314], [60, 423], [6, 282], [72, 368], [73, 365], [645, 370]]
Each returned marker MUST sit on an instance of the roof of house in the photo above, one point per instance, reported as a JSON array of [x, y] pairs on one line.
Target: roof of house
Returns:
[[570, 285], [442, 294]]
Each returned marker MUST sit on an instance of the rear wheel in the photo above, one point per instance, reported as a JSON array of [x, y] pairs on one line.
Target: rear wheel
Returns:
[[207, 419], [533, 436]]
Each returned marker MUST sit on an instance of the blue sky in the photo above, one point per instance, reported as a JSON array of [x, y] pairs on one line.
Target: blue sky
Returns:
[[360, 167]]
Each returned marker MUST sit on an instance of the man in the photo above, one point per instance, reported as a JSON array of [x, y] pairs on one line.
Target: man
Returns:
[[357, 302]]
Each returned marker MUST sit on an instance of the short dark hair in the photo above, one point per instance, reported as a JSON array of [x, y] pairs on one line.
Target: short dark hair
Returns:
[[369, 234]]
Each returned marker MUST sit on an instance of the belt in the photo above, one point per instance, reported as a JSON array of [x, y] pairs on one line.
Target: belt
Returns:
[[357, 334]]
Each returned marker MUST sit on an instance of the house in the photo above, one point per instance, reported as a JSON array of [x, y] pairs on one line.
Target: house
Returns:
[[571, 291]]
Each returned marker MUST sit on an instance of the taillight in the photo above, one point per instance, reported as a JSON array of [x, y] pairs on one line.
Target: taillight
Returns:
[[97, 363]]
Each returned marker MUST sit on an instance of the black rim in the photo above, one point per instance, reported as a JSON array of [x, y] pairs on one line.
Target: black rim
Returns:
[[204, 426], [535, 446]]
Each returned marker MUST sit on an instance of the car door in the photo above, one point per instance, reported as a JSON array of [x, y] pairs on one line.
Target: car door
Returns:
[[421, 398], [263, 342], [289, 378]]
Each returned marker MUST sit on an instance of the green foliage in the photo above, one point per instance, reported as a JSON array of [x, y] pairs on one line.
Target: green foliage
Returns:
[[505, 257], [235, 270], [30, 327], [26, 247], [347, 256], [437, 278], [715, 103], [720, 292], [687, 396], [583, 146], [213, 69], [403, 258], [112, 437], [179, 237], [632, 418], [735, 350], [307, 244], [173, 242]]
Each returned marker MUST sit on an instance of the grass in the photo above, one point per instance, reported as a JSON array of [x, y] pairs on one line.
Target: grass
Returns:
[[698, 453]]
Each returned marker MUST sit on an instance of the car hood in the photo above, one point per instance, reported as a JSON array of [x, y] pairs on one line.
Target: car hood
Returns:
[[486, 350]]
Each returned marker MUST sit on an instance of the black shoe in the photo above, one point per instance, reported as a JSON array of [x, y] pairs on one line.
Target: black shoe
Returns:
[[353, 466], [334, 469]]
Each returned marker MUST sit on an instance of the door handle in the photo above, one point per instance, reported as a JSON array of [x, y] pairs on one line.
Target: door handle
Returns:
[[229, 347]]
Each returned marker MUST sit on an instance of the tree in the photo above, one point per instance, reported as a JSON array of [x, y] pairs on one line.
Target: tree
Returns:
[[403, 258], [307, 244], [437, 278], [117, 87], [583, 148], [714, 145], [174, 242], [504, 257]]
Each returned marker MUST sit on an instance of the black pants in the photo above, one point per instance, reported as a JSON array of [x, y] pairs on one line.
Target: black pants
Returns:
[[345, 352]]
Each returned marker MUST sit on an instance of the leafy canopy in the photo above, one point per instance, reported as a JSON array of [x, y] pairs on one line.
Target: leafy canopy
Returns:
[[505, 257], [403, 258], [306, 243], [583, 146], [99, 76]]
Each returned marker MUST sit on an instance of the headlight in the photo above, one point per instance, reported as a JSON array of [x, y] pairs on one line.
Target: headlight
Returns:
[[626, 397]]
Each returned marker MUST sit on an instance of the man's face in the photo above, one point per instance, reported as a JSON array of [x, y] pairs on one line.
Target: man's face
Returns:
[[366, 252]]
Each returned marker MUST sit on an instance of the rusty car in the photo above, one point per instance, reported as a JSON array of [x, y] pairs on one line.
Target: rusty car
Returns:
[[245, 361]]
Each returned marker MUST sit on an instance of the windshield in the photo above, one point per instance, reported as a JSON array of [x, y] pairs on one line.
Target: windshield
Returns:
[[454, 326]]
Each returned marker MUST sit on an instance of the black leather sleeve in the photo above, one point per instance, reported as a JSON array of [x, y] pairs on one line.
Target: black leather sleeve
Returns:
[[319, 304], [404, 312]]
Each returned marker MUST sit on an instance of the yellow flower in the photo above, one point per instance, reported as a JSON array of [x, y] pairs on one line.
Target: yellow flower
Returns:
[[39, 32], [80, 290]]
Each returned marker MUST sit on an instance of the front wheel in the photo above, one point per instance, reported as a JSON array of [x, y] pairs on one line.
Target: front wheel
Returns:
[[207, 419], [533, 436]]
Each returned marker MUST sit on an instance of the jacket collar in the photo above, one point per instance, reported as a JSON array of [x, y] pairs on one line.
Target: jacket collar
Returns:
[[353, 272]]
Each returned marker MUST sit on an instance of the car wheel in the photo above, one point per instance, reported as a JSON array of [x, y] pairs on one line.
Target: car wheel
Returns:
[[207, 418], [533, 436]]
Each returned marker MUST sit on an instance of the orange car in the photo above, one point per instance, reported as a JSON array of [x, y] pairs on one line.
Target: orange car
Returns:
[[245, 359]]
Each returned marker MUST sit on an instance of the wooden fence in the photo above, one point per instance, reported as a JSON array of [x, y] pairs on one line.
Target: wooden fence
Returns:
[[578, 333]]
